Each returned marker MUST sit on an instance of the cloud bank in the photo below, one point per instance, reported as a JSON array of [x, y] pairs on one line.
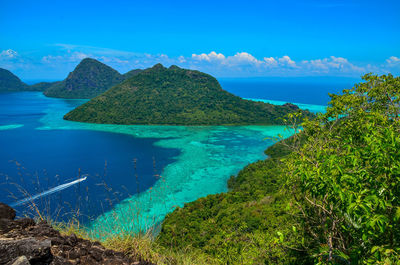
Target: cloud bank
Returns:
[[64, 58]]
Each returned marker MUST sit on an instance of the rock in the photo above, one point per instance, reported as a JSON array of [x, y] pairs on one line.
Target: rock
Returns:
[[36, 251], [22, 260], [25, 222], [72, 240], [6, 212], [24, 242]]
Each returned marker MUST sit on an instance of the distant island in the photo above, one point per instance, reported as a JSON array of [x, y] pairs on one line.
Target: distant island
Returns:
[[175, 96], [42, 86], [9, 82], [89, 79]]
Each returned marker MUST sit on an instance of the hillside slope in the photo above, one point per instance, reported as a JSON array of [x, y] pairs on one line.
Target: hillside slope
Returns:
[[89, 79], [10, 82], [42, 86]]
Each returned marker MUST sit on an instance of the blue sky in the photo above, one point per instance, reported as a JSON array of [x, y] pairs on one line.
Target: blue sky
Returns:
[[46, 39]]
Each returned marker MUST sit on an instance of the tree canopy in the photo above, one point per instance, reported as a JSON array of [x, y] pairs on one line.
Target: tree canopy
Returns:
[[175, 96]]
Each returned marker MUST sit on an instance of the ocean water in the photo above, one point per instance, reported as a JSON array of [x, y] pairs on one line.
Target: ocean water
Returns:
[[306, 90], [33, 161], [175, 164]]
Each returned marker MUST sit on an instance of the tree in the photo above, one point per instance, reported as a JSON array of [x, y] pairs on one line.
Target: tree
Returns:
[[347, 175]]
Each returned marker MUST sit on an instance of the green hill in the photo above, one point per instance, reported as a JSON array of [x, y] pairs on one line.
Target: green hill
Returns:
[[175, 96], [10, 82], [42, 86], [89, 79], [131, 73]]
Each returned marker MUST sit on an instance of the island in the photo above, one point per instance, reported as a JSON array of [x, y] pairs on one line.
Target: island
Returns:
[[89, 79], [175, 96], [9, 82]]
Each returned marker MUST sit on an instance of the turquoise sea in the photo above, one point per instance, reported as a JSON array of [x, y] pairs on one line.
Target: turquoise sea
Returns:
[[118, 176]]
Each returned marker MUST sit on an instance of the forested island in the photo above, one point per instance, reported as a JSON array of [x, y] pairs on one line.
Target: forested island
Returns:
[[175, 96], [89, 79], [11, 83]]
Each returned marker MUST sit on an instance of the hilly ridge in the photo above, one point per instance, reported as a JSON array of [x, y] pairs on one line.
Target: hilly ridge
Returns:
[[10, 82], [89, 79], [175, 96]]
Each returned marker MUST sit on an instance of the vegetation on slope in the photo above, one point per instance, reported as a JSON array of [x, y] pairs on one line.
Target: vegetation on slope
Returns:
[[42, 86], [242, 226], [89, 79], [10, 82], [131, 73], [333, 198], [348, 172], [175, 96]]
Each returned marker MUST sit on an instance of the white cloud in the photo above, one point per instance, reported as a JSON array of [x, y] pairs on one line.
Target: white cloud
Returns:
[[50, 58], [242, 58], [8, 54], [333, 64], [241, 64], [208, 57], [393, 60], [270, 61], [181, 59], [69, 57], [285, 60]]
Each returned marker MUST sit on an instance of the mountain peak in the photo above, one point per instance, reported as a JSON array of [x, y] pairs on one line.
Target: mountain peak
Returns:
[[89, 79], [158, 67], [174, 67]]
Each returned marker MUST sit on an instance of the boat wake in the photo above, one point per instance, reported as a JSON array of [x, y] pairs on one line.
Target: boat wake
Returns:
[[48, 192]]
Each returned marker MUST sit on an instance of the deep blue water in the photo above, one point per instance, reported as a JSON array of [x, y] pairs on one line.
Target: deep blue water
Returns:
[[41, 159], [308, 90]]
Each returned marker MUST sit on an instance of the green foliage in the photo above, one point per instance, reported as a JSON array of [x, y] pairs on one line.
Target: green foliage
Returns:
[[89, 79], [286, 146], [251, 224], [42, 86], [175, 96], [348, 172], [10, 82], [131, 73], [328, 195]]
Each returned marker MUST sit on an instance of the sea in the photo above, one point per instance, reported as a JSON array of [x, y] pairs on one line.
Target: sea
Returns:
[[113, 178]]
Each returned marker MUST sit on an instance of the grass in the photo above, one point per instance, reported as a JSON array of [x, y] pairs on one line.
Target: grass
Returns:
[[140, 246]]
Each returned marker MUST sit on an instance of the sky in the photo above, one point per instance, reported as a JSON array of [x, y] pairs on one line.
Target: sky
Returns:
[[45, 40]]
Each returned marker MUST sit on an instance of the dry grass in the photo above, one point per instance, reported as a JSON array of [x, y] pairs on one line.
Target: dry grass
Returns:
[[141, 247]]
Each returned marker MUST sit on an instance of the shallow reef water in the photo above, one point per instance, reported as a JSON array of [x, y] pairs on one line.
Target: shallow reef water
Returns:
[[10, 126]]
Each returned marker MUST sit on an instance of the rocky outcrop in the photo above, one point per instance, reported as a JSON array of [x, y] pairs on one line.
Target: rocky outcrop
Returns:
[[23, 241]]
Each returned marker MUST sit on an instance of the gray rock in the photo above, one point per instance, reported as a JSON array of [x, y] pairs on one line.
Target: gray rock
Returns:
[[22, 260], [36, 251], [6, 212]]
